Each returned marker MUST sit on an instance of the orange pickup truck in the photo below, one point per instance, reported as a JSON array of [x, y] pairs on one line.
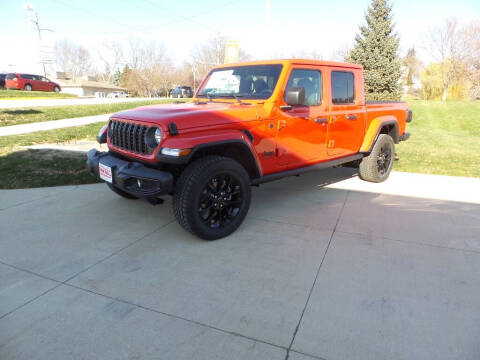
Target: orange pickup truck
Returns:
[[248, 123]]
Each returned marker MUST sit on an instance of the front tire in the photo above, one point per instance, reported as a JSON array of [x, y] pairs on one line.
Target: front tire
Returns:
[[121, 192], [212, 197], [377, 166], [56, 89]]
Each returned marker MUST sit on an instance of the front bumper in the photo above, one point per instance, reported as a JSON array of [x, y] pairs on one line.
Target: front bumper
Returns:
[[130, 176]]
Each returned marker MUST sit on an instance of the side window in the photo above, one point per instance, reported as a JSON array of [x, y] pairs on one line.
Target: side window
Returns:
[[343, 87], [26, 76], [311, 80]]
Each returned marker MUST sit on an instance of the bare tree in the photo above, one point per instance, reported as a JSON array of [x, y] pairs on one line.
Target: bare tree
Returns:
[[411, 68], [150, 69], [112, 58], [73, 59], [209, 54], [450, 49]]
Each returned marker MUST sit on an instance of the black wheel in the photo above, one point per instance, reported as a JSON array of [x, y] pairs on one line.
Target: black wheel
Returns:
[[212, 197], [28, 87], [377, 166], [121, 192], [56, 89]]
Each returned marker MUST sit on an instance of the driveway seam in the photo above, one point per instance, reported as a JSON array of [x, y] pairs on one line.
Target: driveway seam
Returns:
[[117, 252], [316, 277], [31, 300], [72, 277], [175, 316], [309, 355], [410, 242]]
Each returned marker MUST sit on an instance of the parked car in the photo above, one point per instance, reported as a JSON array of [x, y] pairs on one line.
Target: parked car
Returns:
[[2, 81], [29, 82], [118, 94], [265, 121], [182, 92]]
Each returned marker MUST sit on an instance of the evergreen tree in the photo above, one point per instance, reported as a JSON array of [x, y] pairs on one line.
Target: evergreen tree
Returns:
[[117, 78], [376, 49]]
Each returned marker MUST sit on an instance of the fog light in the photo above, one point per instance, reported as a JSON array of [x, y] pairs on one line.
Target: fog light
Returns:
[[176, 152]]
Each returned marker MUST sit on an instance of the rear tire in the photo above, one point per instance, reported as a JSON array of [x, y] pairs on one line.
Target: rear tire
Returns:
[[121, 192], [28, 87], [212, 197], [377, 166]]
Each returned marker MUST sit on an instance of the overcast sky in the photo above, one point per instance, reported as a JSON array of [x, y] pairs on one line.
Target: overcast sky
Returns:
[[265, 28]]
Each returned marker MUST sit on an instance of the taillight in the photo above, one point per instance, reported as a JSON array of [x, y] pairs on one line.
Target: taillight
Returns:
[[409, 115]]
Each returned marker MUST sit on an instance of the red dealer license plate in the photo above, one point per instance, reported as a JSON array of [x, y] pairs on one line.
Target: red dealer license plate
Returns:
[[105, 172]]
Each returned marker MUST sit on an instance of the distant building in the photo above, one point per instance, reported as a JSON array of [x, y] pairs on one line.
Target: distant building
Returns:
[[85, 85]]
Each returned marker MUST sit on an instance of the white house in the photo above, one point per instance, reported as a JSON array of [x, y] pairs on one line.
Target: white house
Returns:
[[85, 85]]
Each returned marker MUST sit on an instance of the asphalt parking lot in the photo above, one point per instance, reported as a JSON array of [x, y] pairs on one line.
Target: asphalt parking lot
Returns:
[[338, 272]]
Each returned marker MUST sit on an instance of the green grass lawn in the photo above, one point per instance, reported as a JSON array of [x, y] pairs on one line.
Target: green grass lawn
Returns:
[[26, 168], [19, 94], [37, 114], [445, 139]]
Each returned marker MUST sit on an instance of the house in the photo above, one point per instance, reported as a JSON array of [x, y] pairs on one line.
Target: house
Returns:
[[85, 85]]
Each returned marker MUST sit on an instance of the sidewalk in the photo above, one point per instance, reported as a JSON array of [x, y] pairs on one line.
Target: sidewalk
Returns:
[[9, 104], [50, 125]]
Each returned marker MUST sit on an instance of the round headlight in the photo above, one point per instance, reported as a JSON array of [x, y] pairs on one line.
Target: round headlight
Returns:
[[158, 135]]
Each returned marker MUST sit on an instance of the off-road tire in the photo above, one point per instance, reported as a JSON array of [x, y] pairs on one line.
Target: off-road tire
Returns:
[[369, 167], [28, 87], [121, 192], [188, 192]]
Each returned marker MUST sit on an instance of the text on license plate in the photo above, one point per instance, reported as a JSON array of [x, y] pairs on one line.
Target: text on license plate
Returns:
[[105, 172]]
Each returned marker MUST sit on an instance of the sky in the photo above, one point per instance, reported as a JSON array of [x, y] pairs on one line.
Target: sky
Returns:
[[265, 28]]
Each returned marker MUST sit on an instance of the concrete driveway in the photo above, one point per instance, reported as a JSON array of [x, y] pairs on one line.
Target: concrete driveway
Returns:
[[315, 272]]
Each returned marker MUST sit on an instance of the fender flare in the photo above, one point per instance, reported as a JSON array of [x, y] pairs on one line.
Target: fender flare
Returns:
[[374, 130], [237, 139]]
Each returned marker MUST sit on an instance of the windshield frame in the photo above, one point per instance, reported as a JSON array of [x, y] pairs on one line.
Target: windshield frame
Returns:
[[234, 96]]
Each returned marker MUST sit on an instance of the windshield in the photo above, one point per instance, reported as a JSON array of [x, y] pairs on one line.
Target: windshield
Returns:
[[249, 82]]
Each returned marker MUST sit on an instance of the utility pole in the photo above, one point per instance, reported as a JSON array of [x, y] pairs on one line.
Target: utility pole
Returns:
[[39, 30]]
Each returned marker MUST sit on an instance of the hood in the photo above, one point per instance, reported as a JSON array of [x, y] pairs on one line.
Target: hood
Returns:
[[190, 115]]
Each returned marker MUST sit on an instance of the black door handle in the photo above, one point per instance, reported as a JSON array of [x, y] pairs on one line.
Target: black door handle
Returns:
[[322, 121], [352, 117]]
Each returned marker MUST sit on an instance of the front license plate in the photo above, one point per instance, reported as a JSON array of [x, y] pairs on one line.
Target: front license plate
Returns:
[[105, 172]]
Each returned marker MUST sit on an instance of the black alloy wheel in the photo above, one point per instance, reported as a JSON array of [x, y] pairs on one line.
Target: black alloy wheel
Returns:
[[212, 197], [220, 201], [384, 159]]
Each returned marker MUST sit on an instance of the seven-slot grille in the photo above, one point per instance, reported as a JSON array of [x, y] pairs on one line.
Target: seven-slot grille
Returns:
[[129, 136]]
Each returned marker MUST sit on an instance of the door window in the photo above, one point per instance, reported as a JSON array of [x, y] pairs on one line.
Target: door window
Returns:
[[343, 87], [311, 80]]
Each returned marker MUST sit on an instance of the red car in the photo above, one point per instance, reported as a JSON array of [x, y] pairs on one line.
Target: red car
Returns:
[[30, 82]]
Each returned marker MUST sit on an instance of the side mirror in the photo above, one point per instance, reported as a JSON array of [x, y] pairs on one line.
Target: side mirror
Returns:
[[295, 96]]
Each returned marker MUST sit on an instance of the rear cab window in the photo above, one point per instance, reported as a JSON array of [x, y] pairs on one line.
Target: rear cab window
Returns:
[[343, 88], [309, 79]]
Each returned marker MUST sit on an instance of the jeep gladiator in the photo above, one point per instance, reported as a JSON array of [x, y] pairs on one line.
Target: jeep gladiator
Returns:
[[248, 123]]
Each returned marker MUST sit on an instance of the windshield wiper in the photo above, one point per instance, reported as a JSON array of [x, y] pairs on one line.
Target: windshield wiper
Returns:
[[237, 97]]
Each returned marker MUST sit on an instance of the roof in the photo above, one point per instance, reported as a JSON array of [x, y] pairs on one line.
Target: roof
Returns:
[[89, 84], [293, 61]]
